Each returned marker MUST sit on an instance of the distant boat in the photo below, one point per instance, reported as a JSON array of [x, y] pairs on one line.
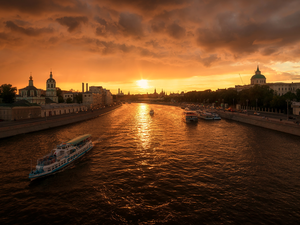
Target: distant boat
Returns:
[[62, 156], [151, 112], [204, 115], [190, 116], [215, 116]]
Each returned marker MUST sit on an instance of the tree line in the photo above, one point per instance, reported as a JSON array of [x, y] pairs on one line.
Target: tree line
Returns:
[[261, 96]]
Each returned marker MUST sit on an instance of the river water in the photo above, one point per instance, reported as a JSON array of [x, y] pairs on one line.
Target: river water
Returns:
[[155, 170]]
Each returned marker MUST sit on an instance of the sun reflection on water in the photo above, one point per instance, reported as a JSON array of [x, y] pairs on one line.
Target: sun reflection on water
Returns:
[[143, 122]]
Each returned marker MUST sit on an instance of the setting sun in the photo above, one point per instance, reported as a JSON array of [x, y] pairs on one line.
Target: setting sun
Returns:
[[142, 83]]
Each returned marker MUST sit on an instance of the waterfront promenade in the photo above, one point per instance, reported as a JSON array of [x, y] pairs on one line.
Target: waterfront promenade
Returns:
[[12, 128], [282, 125]]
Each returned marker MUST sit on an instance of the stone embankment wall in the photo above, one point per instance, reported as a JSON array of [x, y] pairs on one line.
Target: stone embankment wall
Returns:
[[55, 121], [269, 123]]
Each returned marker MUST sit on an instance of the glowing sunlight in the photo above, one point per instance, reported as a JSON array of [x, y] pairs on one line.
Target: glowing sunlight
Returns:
[[142, 83]]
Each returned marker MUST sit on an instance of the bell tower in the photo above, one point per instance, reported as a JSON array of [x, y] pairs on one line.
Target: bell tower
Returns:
[[51, 89]]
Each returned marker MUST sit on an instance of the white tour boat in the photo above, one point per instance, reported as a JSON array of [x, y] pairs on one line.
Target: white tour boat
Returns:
[[190, 116], [216, 116], [62, 156], [205, 115]]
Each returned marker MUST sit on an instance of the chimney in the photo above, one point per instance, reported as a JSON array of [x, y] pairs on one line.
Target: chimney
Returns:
[[82, 87], [87, 87]]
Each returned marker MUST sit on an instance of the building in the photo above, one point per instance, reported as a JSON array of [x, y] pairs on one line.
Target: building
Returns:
[[279, 88], [282, 88], [258, 78], [94, 97], [60, 109], [96, 89], [51, 89], [35, 95], [92, 100], [68, 95], [31, 94], [19, 110], [108, 98], [296, 108], [120, 93]]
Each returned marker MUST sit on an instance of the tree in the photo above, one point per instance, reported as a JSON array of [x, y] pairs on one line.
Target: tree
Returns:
[[59, 95], [8, 93], [78, 98], [69, 100], [298, 95]]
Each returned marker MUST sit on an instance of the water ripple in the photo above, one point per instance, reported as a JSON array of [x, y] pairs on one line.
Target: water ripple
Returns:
[[155, 170]]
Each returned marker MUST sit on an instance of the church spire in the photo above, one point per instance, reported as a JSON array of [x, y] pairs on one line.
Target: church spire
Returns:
[[30, 80], [257, 72]]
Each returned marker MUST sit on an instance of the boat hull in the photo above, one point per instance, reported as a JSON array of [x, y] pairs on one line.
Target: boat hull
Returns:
[[36, 174], [205, 117], [190, 119]]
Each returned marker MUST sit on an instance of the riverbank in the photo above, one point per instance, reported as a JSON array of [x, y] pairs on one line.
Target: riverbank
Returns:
[[285, 126], [13, 128]]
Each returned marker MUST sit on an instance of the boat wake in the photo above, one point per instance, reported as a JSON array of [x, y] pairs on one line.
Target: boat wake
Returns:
[[98, 140]]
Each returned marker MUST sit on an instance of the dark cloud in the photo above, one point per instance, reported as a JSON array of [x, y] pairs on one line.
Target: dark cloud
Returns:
[[146, 52], [269, 51], [131, 24], [222, 32], [176, 31], [3, 36], [40, 6], [101, 21], [208, 61], [247, 35], [126, 49], [153, 43], [158, 26], [145, 6], [106, 28], [72, 22], [27, 31], [111, 47]]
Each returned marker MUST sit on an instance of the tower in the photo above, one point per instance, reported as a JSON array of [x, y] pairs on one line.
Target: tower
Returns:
[[51, 89], [258, 78]]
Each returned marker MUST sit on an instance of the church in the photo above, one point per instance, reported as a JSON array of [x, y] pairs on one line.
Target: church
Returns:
[[34, 95], [51, 89], [279, 88], [258, 78]]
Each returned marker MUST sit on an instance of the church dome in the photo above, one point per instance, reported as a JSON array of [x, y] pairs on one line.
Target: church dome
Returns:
[[50, 80], [258, 75]]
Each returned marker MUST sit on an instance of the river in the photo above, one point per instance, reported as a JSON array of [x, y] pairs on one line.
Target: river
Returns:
[[155, 170]]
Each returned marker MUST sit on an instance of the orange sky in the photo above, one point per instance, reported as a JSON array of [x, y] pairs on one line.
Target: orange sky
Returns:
[[178, 45]]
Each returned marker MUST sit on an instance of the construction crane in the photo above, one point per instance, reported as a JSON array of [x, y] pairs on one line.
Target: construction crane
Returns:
[[241, 79]]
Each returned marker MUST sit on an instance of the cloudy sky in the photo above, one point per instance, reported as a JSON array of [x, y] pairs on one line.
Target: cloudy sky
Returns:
[[177, 45]]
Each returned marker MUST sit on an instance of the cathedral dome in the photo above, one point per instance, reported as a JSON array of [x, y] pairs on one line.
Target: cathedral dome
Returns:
[[50, 80], [258, 75]]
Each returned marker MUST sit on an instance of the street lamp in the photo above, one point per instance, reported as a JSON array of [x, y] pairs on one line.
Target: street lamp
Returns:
[[287, 109], [247, 104], [256, 105], [233, 103]]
